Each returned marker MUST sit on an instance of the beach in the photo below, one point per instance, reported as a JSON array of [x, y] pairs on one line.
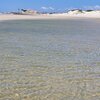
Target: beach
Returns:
[[50, 16]]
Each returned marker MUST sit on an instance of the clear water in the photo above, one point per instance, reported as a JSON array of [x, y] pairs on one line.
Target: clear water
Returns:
[[50, 59]]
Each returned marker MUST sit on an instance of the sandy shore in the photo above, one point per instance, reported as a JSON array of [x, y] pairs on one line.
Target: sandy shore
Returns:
[[52, 16], [20, 17]]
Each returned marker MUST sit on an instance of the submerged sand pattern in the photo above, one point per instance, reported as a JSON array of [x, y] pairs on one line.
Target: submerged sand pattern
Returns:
[[50, 60], [49, 83]]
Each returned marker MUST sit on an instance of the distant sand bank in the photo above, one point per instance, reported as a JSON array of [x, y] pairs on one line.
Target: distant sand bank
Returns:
[[47, 16]]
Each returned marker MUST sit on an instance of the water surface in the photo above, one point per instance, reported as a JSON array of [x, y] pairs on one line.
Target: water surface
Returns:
[[50, 59]]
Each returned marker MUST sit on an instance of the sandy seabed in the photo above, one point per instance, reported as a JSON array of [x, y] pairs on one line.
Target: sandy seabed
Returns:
[[47, 83]]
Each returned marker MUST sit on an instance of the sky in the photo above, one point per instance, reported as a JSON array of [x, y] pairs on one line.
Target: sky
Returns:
[[48, 5]]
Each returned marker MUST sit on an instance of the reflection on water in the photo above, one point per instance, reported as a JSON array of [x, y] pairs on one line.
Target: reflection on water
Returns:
[[50, 60]]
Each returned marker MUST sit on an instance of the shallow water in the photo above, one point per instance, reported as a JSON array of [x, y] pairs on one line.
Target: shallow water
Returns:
[[50, 59]]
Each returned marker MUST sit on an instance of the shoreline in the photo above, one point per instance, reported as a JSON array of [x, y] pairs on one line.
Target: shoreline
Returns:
[[4, 17]]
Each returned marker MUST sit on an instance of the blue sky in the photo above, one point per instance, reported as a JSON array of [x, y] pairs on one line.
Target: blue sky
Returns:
[[48, 5]]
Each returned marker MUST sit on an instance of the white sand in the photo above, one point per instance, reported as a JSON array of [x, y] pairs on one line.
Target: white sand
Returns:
[[18, 17], [50, 16]]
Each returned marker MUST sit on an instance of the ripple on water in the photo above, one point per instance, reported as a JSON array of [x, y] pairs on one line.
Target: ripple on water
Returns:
[[50, 60]]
